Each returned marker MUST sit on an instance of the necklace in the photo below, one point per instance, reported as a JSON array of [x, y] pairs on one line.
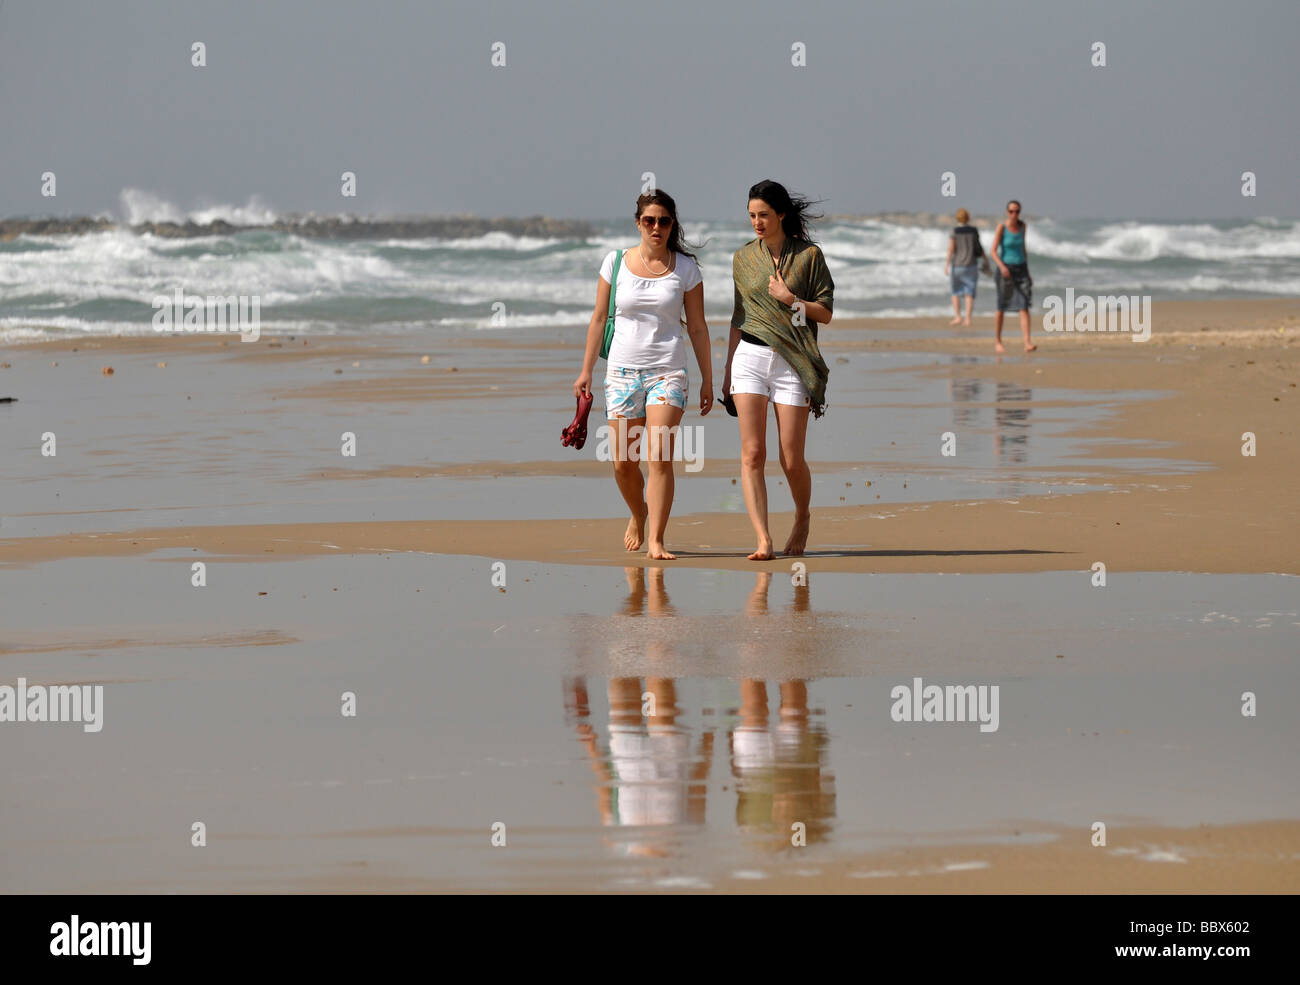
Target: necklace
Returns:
[[641, 253]]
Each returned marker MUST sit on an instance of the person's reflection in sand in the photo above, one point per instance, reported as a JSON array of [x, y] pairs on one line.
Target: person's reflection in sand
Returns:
[[648, 775], [646, 594], [1011, 424], [964, 391], [781, 774]]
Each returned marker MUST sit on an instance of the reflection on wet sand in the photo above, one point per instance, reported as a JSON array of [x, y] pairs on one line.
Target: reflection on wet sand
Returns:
[[785, 794], [652, 771], [649, 775], [1010, 422], [964, 390]]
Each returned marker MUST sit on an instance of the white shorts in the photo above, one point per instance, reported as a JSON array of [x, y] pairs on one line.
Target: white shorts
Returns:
[[762, 370]]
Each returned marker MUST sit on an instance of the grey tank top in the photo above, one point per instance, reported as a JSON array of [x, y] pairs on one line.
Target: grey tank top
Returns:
[[968, 249]]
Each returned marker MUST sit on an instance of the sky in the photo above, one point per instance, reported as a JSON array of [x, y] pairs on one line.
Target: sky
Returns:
[[702, 94]]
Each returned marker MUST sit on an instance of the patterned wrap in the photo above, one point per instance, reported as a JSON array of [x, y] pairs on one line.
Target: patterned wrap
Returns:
[[764, 317]]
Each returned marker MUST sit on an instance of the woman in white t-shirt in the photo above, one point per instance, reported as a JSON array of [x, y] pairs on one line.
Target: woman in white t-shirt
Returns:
[[645, 381]]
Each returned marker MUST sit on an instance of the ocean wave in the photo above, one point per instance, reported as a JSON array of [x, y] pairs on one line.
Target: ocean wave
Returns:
[[104, 279], [139, 207]]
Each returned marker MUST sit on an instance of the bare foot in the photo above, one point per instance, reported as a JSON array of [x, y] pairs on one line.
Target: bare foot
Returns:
[[1030, 347], [764, 551], [955, 321], [966, 322], [999, 348], [657, 552], [635, 536], [798, 537]]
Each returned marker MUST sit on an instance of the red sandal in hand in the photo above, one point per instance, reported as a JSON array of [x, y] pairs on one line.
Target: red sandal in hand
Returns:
[[576, 433]]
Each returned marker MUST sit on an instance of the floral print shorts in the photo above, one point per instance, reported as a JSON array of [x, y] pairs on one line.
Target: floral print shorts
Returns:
[[627, 391]]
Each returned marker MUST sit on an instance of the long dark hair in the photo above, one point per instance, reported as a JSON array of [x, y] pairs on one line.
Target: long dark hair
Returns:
[[796, 209], [676, 242]]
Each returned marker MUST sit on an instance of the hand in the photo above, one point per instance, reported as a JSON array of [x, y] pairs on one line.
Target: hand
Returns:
[[706, 398], [726, 381], [582, 384], [1005, 272], [945, 270], [777, 288]]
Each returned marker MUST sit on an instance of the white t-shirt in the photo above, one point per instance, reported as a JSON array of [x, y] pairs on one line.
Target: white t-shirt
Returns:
[[647, 314]]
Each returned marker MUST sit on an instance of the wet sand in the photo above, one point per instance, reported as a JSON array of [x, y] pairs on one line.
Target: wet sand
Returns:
[[477, 704], [1171, 488], [773, 706]]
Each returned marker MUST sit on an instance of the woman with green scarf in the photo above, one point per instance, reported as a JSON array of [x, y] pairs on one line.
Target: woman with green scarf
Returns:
[[783, 291]]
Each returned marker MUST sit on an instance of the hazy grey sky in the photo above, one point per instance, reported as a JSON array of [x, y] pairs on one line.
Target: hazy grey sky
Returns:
[[702, 93]]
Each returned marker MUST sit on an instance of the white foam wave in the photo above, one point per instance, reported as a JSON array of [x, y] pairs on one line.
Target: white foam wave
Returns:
[[141, 206], [895, 270]]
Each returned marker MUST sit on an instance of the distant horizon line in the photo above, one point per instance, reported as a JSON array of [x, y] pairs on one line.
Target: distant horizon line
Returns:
[[381, 217]]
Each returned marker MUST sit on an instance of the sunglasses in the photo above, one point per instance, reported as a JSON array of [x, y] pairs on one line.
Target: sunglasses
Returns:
[[649, 221], [1013, 210]]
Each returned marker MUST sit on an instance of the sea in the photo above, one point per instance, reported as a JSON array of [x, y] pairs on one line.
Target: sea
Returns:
[[105, 282]]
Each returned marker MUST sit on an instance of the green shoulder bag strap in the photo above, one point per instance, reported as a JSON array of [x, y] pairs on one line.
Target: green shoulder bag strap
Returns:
[[609, 320]]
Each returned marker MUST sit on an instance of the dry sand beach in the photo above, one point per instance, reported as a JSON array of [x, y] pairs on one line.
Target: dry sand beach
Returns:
[[482, 703]]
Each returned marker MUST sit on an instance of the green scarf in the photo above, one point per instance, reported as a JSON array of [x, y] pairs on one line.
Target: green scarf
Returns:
[[759, 314]]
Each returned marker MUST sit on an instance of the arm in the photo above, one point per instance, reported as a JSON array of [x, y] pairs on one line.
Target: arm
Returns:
[[576, 704], [737, 319], [815, 312], [997, 251], [698, 330], [952, 248], [595, 336]]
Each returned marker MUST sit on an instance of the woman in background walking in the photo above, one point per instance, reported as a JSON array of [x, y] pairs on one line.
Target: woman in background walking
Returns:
[[1015, 286], [964, 252]]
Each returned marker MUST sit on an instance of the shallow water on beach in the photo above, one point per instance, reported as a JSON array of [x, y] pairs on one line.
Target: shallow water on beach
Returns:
[[526, 707], [229, 440]]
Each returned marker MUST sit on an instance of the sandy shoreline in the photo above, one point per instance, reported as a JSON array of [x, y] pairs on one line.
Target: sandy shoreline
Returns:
[[1221, 369], [1121, 706], [1245, 858]]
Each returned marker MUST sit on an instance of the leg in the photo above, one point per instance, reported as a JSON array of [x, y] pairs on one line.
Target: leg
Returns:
[[751, 408], [625, 700], [753, 703], [794, 700], [757, 604], [970, 303], [659, 604], [1024, 329], [792, 430], [662, 421], [664, 690], [1000, 285], [627, 473], [956, 315], [636, 593]]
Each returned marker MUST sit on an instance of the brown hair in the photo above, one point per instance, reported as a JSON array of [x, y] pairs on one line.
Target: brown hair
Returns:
[[676, 244]]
